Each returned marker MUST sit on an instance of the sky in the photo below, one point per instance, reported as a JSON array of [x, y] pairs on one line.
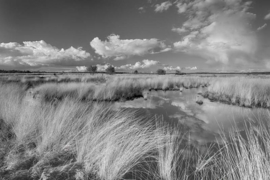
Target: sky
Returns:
[[143, 35]]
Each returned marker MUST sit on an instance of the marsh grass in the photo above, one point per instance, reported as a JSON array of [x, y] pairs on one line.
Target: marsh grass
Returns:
[[92, 140], [117, 89], [244, 155], [35, 80], [241, 91]]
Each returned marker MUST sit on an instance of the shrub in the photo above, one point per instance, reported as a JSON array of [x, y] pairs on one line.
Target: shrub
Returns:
[[92, 68], [178, 72], [110, 70], [161, 71]]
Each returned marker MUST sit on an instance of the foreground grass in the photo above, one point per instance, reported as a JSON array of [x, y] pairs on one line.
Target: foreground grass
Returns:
[[87, 141]]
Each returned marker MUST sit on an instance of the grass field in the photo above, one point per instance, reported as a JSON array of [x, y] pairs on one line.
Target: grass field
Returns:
[[65, 128]]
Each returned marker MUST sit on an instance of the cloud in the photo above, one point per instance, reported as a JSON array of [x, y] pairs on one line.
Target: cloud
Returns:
[[37, 54], [267, 17], [81, 68], [182, 7], [191, 68], [163, 6], [139, 65], [219, 30], [122, 49], [141, 9], [179, 30], [261, 27], [171, 68], [101, 67]]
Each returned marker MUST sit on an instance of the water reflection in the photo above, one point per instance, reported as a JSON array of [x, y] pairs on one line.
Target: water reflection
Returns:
[[203, 122]]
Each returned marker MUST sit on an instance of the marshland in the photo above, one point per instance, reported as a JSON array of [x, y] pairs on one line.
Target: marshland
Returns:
[[112, 127]]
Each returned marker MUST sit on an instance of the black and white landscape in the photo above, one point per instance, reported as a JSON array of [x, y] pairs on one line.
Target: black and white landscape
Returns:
[[134, 89]]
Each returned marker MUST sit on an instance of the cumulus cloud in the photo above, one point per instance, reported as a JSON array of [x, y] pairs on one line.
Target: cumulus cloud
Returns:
[[103, 67], [81, 68], [267, 17], [261, 27], [100, 67], [191, 68], [163, 6], [171, 68], [179, 30], [219, 30], [121, 49], [139, 65], [38, 53]]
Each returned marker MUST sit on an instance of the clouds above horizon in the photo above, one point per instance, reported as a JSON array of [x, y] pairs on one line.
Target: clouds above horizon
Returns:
[[100, 67], [218, 30], [191, 68], [171, 68], [139, 65], [201, 35], [120, 49], [37, 54]]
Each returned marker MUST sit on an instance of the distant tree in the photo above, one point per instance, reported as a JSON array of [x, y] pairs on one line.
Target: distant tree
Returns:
[[136, 72], [178, 72], [161, 71], [92, 69], [110, 70]]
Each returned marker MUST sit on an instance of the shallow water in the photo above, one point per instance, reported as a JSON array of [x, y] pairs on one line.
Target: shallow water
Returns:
[[205, 123]]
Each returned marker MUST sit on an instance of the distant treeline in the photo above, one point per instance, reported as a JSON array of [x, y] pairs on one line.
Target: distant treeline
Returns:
[[20, 71], [100, 72]]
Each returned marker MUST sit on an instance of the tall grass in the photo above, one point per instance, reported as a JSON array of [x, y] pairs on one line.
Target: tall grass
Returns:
[[10, 101], [241, 91], [109, 144], [113, 145], [34, 80], [118, 88]]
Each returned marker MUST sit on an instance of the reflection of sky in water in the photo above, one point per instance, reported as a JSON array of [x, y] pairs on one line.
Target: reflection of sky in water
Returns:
[[203, 121]]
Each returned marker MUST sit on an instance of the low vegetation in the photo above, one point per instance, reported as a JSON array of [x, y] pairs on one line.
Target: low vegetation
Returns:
[[50, 131], [116, 89], [248, 92]]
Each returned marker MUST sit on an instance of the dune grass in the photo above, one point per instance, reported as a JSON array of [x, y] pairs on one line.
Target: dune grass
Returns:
[[91, 140]]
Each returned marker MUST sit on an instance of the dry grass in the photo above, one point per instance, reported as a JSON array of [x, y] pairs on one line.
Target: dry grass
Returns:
[[34, 80], [92, 140], [118, 88], [241, 91]]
